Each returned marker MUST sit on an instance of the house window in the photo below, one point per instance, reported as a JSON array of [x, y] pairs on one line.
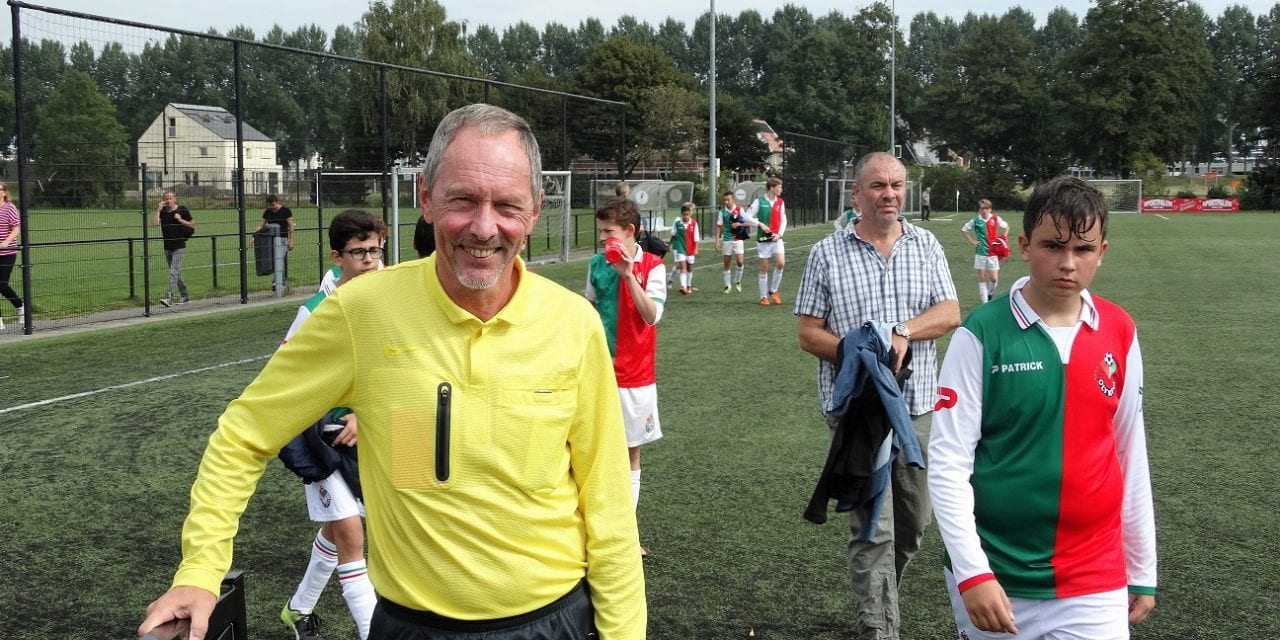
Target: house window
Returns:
[[191, 177], [173, 127], [204, 152]]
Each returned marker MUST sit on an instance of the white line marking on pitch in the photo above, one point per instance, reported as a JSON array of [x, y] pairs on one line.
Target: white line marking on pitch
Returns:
[[1161, 217], [116, 387]]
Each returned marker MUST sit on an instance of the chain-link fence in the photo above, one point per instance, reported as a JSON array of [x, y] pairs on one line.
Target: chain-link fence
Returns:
[[809, 162], [109, 114]]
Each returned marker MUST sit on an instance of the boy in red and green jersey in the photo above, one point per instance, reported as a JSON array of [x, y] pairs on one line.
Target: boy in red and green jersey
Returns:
[[629, 292], [769, 215], [1038, 465]]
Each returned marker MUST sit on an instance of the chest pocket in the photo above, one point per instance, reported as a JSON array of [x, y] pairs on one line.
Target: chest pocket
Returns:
[[532, 421]]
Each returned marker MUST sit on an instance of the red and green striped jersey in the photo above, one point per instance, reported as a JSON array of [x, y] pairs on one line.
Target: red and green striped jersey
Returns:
[[1037, 459], [770, 215], [685, 237], [984, 231], [632, 342]]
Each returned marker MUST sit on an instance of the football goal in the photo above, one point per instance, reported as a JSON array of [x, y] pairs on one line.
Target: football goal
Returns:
[[1121, 196]]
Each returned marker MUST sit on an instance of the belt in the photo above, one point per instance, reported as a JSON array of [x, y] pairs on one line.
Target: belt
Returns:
[[435, 620]]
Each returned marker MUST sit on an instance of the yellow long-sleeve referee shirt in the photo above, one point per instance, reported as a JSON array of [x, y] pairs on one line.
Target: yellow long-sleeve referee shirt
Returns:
[[492, 454]]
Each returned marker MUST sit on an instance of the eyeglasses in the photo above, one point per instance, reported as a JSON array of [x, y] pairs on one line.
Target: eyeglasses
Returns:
[[360, 253]]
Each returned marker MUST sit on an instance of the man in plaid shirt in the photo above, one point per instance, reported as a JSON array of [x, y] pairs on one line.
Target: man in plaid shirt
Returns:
[[887, 271]]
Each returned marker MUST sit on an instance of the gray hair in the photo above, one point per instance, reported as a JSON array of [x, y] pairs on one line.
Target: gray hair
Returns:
[[490, 121], [859, 168]]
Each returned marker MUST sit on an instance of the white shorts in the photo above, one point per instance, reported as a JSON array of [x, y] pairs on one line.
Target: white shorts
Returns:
[[680, 257], [986, 263], [1098, 616], [731, 248], [330, 500], [768, 250], [640, 414]]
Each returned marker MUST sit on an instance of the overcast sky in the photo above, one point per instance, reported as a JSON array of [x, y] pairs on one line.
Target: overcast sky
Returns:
[[290, 14]]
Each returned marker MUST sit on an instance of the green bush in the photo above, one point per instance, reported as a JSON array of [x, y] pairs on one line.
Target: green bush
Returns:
[[1262, 189], [1186, 193], [1218, 191]]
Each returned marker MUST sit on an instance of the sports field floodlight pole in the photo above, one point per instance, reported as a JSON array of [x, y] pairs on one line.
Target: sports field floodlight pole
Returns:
[[712, 166], [893, 63]]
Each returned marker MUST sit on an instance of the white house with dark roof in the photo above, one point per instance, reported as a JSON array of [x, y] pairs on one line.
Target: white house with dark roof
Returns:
[[191, 146]]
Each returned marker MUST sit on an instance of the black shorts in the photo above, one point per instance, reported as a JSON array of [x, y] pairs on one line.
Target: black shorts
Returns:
[[569, 618]]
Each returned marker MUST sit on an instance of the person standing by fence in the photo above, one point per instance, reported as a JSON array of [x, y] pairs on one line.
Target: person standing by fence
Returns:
[[10, 234], [277, 214], [176, 225]]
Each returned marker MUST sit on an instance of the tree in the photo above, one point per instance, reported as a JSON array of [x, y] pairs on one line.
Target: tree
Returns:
[[485, 47], [562, 54], [737, 145], [411, 33], [1137, 81], [622, 70], [522, 46], [833, 81], [1263, 113], [674, 122], [1233, 44], [80, 146], [990, 100]]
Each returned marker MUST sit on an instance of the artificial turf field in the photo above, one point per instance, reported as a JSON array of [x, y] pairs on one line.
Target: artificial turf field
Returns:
[[96, 486]]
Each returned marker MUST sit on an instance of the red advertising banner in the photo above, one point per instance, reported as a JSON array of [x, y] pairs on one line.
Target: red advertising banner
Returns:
[[1190, 205]]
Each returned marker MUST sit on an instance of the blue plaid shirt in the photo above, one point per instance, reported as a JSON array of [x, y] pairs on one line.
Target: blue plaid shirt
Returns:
[[847, 282]]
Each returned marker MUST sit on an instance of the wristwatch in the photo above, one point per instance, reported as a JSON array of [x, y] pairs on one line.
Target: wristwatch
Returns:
[[902, 330]]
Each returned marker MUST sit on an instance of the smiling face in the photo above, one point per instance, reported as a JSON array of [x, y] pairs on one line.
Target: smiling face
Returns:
[[1061, 263], [880, 190], [482, 209]]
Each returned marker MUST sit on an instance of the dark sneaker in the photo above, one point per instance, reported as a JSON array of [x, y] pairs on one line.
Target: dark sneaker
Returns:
[[305, 626], [185, 301], [166, 302]]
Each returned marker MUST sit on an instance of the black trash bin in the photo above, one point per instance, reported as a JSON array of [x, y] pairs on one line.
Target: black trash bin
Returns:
[[264, 242]]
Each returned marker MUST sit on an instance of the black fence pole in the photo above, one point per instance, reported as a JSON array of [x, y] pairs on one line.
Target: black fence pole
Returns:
[[132, 290], [213, 242], [146, 246], [386, 140], [238, 176], [23, 215], [319, 227]]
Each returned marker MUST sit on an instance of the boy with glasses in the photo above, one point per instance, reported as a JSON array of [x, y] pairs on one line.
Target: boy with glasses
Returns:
[[355, 240]]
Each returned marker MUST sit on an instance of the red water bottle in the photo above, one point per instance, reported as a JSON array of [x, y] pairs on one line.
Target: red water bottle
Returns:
[[613, 250]]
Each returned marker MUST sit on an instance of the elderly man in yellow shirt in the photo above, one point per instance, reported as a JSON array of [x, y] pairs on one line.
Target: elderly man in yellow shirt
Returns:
[[492, 456]]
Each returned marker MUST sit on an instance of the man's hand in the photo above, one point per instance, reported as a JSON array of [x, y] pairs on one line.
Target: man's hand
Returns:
[[899, 345], [989, 608], [1140, 607], [192, 603]]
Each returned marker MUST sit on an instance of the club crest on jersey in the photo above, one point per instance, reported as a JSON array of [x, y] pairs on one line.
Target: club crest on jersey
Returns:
[[325, 498], [1105, 374]]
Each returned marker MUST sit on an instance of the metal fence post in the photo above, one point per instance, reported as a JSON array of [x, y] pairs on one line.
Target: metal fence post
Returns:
[[23, 143], [319, 226], [132, 291], [146, 247], [213, 242], [239, 175]]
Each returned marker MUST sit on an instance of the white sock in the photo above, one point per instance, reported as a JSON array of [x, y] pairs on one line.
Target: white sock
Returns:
[[357, 590], [688, 277], [725, 273], [324, 559], [991, 288], [777, 280], [684, 279], [763, 281], [635, 488], [982, 291], [737, 274]]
